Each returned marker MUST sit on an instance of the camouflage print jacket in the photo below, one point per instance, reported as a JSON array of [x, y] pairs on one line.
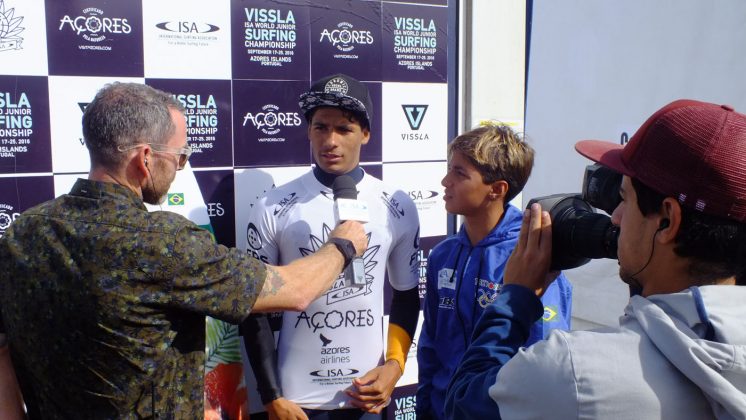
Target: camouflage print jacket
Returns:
[[104, 304]]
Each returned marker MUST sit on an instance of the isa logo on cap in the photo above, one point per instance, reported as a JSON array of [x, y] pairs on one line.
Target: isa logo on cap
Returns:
[[336, 85]]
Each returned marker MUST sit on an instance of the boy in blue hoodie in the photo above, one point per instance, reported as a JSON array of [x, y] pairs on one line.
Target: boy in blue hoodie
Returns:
[[487, 167]]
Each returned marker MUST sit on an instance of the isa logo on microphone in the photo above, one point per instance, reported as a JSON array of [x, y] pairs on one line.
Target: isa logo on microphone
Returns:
[[351, 209]]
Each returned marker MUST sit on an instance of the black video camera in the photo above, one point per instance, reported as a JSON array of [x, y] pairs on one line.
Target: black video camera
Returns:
[[578, 232]]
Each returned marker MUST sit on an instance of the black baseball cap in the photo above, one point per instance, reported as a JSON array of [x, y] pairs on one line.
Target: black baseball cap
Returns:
[[338, 90]]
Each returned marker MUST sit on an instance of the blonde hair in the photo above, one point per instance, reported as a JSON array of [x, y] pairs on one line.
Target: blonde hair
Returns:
[[498, 153]]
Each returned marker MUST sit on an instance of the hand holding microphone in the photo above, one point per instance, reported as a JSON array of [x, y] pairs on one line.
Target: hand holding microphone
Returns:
[[348, 208]]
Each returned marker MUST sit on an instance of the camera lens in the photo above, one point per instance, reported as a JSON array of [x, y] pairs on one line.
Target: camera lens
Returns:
[[578, 232]]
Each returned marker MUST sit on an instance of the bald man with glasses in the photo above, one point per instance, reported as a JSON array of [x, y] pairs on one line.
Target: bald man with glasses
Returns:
[[103, 303]]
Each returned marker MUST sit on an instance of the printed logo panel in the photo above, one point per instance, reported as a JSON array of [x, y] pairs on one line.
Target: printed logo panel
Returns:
[[348, 41], [23, 42], [421, 180], [269, 127], [94, 38], [373, 151], [414, 43], [187, 39], [18, 194], [270, 40], [250, 186], [416, 121], [68, 98], [24, 124], [185, 198], [403, 398], [217, 192], [208, 118]]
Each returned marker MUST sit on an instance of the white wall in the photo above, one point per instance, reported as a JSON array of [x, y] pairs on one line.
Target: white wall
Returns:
[[600, 68]]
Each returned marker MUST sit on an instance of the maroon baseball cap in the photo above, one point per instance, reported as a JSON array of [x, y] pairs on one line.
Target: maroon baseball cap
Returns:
[[693, 151]]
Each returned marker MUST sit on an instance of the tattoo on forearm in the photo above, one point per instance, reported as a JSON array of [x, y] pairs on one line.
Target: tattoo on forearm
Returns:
[[272, 283]]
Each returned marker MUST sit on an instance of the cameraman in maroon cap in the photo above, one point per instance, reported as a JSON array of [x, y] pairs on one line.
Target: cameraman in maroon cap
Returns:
[[680, 348]]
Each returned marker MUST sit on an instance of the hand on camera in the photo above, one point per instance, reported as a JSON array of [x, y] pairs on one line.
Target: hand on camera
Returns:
[[528, 265]]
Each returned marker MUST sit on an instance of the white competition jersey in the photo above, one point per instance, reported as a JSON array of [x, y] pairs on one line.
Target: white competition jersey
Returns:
[[340, 336]]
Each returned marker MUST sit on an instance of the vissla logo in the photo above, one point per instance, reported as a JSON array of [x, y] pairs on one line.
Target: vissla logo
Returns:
[[187, 27], [92, 25], [10, 28], [415, 114], [270, 119], [345, 37]]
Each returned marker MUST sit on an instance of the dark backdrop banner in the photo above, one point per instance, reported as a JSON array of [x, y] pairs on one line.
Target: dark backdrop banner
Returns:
[[238, 67]]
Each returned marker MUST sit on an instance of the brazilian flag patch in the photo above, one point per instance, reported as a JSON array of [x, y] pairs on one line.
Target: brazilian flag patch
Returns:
[[550, 314], [176, 199]]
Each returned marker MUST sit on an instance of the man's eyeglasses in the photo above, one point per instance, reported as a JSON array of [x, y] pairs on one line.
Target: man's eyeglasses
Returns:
[[182, 152]]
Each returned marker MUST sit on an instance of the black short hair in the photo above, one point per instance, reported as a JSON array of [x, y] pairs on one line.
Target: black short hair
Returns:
[[716, 246], [351, 115]]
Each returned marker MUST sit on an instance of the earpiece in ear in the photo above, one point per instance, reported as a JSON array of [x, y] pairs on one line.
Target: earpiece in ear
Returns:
[[664, 224], [146, 162]]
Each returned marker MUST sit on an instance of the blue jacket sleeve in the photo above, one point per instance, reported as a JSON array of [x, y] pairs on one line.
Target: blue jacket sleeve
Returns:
[[427, 361], [557, 301], [503, 328]]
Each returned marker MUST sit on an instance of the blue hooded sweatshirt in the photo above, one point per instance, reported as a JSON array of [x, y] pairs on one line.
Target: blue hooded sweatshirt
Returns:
[[462, 280]]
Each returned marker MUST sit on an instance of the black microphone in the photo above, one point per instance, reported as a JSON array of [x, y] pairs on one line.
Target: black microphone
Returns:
[[348, 207]]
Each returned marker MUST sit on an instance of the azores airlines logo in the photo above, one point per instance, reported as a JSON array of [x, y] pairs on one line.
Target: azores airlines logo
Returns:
[[270, 120], [415, 114], [93, 26], [344, 37], [10, 28], [339, 292]]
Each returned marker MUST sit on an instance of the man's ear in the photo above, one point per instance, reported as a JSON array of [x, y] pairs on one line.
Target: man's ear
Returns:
[[499, 189], [670, 220], [143, 160], [366, 136]]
